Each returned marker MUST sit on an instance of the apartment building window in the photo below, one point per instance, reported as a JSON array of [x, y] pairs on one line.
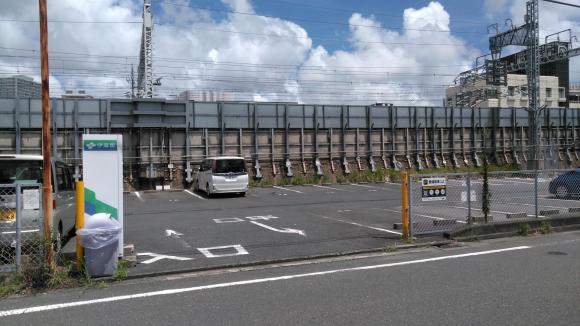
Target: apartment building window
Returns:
[[511, 90], [561, 92], [548, 92], [524, 90]]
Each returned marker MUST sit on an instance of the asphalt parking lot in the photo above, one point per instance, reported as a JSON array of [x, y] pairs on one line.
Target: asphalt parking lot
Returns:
[[183, 230], [187, 230]]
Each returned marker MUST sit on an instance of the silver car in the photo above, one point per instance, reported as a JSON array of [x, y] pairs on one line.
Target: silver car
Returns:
[[26, 170]]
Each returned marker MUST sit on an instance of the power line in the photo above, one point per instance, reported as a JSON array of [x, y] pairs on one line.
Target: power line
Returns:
[[70, 21], [165, 59], [562, 3]]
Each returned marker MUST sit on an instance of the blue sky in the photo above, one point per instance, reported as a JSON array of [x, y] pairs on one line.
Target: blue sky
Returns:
[[289, 50], [468, 18]]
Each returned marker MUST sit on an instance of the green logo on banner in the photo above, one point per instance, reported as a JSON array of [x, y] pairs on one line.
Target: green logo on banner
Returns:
[[100, 145]]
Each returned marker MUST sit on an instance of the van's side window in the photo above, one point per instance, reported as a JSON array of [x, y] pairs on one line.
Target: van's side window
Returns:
[[63, 178]]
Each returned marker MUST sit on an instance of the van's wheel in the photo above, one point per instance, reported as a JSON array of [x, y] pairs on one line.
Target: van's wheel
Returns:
[[561, 192]]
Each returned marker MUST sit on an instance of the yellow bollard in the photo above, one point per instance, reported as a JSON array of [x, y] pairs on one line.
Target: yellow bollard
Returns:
[[80, 219], [405, 202]]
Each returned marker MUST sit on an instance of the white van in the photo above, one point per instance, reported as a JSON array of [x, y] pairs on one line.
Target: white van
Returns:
[[27, 169], [224, 174]]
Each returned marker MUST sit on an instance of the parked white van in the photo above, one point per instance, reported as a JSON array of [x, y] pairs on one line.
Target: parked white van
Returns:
[[27, 169], [223, 174]]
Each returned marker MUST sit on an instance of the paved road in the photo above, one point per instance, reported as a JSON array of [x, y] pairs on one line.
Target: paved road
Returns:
[[518, 281]]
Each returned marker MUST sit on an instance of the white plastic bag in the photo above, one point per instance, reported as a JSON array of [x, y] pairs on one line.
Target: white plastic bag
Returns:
[[100, 230]]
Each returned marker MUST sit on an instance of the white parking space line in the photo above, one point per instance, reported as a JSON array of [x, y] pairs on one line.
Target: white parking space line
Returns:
[[66, 305], [286, 189], [138, 195], [427, 216], [364, 186], [194, 194], [357, 224], [330, 188], [478, 209]]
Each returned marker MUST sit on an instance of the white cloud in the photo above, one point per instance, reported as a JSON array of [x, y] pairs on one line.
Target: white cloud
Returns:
[[194, 49], [408, 71]]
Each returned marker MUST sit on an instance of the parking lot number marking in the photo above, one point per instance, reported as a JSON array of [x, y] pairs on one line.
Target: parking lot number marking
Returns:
[[228, 220], [239, 251], [158, 257]]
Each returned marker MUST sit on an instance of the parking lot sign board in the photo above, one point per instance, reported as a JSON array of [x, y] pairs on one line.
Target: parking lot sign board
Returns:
[[433, 189], [103, 177]]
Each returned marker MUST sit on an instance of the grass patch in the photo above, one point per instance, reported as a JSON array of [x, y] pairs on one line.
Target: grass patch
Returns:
[[121, 272], [391, 248], [546, 228], [380, 175], [524, 229]]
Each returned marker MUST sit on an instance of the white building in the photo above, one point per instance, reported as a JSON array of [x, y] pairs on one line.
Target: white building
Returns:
[[514, 94], [205, 96]]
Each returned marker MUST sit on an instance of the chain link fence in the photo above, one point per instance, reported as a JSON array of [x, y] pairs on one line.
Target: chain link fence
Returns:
[[20, 226], [443, 202]]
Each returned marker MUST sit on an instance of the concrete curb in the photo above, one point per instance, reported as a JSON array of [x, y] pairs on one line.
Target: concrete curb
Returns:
[[511, 228], [279, 261]]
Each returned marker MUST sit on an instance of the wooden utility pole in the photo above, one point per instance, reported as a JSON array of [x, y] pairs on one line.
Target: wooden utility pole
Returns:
[[47, 205]]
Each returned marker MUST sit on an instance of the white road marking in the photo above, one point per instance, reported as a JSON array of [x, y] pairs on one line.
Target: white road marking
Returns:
[[427, 216], [194, 194], [23, 231], [138, 195], [157, 257], [478, 209], [326, 187], [228, 220], [364, 186], [286, 189], [170, 233], [28, 310], [357, 224], [285, 230], [261, 218], [239, 251]]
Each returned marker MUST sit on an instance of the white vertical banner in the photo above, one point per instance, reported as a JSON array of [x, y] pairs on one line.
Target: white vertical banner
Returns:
[[103, 177]]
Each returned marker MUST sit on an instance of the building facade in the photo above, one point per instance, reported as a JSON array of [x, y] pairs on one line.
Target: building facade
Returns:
[[19, 86], [514, 94], [205, 96]]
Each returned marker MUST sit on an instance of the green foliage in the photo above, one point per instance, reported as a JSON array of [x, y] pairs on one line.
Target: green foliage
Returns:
[[546, 227], [524, 229], [391, 248], [121, 272]]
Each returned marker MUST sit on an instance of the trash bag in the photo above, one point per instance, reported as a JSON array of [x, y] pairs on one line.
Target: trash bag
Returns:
[[100, 230]]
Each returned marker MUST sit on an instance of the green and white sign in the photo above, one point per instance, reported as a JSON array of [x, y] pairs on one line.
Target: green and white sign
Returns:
[[103, 177]]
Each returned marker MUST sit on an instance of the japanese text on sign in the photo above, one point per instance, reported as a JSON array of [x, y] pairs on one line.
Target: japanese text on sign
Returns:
[[433, 189]]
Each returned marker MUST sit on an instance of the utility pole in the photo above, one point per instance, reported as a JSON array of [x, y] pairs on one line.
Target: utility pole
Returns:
[[533, 74], [47, 205]]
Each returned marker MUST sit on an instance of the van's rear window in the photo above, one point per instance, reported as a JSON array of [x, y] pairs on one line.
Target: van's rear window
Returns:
[[12, 171], [229, 166]]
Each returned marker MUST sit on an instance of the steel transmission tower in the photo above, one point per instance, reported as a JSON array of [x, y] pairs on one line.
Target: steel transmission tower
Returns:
[[145, 70]]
